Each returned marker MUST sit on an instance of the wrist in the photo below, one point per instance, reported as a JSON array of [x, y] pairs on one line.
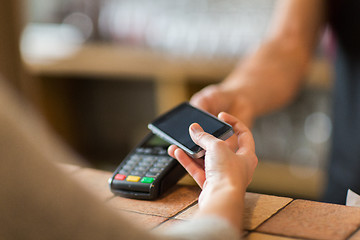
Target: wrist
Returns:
[[223, 200], [240, 104], [231, 188]]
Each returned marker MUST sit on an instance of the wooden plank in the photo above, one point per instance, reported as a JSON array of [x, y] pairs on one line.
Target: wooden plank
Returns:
[[258, 208], [143, 220], [177, 199], [314, 220]]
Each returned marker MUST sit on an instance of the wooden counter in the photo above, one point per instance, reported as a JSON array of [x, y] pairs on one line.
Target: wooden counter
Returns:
[[266, 217]]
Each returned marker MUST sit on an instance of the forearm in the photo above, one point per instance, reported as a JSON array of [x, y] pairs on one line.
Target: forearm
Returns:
[[271, 76]]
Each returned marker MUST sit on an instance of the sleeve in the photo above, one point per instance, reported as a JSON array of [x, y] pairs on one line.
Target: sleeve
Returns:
[[38, 201], [209, 228]]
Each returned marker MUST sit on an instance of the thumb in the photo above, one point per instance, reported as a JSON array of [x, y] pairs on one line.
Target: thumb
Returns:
[[200, 137]]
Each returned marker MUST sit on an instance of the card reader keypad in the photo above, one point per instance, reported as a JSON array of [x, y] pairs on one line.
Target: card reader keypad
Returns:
[[144, 166]]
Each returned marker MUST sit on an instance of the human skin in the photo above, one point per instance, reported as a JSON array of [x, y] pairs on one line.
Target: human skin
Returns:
[[271, 76], [224, 173]]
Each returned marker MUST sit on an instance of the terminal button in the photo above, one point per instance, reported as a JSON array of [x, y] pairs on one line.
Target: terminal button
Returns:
[[120, 177], [147, 180], [133, 178]]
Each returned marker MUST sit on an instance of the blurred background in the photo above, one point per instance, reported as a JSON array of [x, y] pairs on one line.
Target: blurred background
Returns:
[[100, 70]]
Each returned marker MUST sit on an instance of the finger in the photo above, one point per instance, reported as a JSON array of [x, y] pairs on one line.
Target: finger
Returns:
[[232, 141], [244, 135], [200, 101], [171, 150], [201, 138], [194, 169], [206, 99], [237, 125]]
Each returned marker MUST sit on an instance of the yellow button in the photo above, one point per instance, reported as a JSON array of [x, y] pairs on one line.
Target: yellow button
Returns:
[[133, 178]]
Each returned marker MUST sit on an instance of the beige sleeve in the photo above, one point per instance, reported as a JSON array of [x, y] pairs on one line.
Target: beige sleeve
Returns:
[[205, 228], [38, 201]]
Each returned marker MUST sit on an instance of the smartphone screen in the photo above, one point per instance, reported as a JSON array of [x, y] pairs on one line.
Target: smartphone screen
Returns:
[[174, 127]]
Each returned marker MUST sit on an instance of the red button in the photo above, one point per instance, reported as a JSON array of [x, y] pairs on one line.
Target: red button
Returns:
[[120, 177]]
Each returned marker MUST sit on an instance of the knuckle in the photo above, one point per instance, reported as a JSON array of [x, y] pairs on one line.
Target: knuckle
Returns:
[[211, 91], [200, 136], [218, 144], [253, 160]]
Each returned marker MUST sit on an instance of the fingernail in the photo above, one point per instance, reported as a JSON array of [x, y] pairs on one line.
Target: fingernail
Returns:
[[195, 128]]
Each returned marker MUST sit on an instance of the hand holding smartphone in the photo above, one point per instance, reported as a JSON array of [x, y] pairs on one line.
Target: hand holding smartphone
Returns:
[[173, 127]]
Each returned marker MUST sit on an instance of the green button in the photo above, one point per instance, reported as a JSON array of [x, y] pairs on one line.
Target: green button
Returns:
[[147, 180]]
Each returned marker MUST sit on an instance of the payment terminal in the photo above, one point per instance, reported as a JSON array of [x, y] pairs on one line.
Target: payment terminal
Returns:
[[147, 171]]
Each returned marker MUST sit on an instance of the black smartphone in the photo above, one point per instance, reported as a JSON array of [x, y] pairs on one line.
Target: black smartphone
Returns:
[[173, 127], [147, 171]]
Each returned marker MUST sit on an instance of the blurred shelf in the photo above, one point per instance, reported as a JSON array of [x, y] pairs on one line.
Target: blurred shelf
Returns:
[[117, 60], [169, 72]]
